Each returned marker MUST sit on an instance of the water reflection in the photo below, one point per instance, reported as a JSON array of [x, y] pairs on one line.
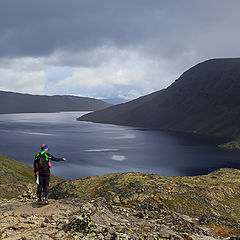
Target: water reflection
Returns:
[[93, 149]]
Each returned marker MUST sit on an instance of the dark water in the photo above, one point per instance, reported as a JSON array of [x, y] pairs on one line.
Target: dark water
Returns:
[[93, 149]]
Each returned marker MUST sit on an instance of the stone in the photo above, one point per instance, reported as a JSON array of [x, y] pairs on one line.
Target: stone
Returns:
[[14, 227], [5, 214], [43, 225], [46, 220], [60, 234], [81, 223]]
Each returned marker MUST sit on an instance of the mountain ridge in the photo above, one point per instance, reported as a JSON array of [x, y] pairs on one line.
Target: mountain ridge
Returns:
[[205, 99], [29, 103]]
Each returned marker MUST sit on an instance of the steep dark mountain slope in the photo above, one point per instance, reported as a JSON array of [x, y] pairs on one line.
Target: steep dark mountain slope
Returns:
[[26, 103], [205, 99], [124, 113]]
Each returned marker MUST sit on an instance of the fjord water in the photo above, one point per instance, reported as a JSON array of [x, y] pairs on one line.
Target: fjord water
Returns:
[[93, 149]]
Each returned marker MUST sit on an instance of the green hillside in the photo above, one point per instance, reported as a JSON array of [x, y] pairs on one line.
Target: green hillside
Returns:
[[15, 176], [14, 171]]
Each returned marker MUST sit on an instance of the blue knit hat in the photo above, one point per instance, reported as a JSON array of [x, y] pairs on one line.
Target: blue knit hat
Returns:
[[44, 146]]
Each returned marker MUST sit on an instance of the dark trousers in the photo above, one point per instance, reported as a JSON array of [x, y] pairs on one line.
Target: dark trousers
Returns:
[[43, 186]]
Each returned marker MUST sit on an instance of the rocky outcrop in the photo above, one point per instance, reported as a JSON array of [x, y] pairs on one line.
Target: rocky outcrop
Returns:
[[213, 199], [232, 145], [92, 219]]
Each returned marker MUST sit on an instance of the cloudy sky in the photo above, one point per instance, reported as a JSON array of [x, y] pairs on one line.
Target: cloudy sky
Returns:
[[110, 48]]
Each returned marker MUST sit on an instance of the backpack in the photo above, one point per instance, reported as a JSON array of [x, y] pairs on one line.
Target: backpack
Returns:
[[43, 164]]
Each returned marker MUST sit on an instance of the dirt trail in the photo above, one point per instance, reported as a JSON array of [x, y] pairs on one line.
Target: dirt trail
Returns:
[[26, 220]]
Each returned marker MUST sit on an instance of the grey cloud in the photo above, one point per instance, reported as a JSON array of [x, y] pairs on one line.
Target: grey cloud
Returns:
[[40, 28], [161, 38], [157, 28]]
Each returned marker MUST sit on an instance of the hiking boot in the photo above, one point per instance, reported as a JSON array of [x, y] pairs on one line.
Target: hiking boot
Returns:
[[39, 201], [45, 202]]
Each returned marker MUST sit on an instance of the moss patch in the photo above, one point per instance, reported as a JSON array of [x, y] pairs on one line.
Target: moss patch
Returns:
[[232, 145]]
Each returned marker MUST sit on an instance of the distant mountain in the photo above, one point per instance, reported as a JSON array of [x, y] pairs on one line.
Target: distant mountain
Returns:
[[205, 99], [26, 103], [115, 100]]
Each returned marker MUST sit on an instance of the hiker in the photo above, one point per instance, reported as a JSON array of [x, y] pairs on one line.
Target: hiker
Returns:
[[42, 167]]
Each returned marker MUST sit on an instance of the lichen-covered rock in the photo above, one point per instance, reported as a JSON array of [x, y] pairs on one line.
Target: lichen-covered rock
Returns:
[[81, 223]]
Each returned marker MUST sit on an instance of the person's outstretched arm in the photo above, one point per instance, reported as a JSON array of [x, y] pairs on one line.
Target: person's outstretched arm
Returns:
[[51, 157]]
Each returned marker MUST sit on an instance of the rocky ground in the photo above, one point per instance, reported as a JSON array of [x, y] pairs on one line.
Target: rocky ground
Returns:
[[129, 206], [92, 219]]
